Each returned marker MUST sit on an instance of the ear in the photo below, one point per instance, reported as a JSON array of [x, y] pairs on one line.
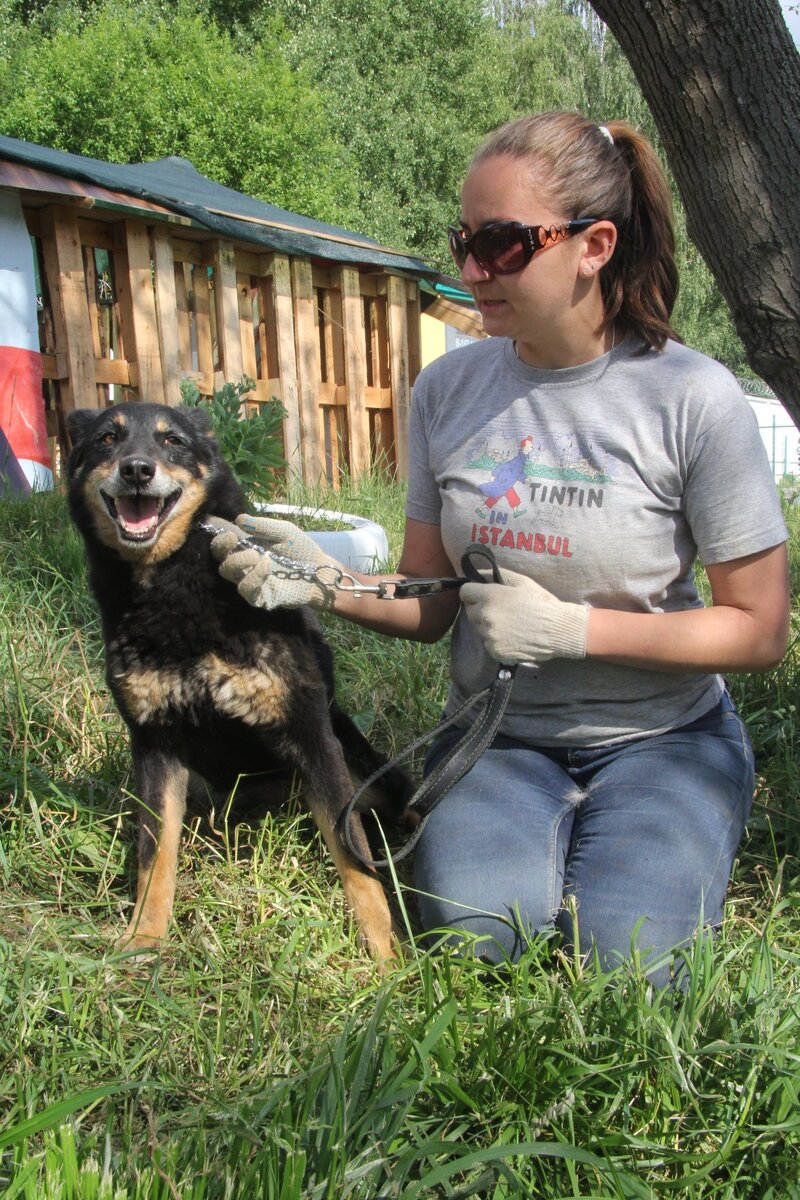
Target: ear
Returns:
[[597, 246], [79, 421], [199, 418]]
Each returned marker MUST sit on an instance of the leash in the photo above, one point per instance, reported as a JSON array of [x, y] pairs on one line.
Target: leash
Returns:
[[481, 733], [332, 575], [462, 756]]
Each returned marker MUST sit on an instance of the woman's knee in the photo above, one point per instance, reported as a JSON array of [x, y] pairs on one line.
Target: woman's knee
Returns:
[[490, 862]]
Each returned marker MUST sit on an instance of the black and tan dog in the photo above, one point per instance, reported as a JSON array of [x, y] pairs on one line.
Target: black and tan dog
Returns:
[[205, 683]]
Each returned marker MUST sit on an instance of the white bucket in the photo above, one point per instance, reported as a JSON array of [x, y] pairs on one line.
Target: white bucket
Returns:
[[364, 546]]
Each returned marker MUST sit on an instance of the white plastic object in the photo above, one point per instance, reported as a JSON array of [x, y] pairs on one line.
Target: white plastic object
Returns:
[[364, 546]]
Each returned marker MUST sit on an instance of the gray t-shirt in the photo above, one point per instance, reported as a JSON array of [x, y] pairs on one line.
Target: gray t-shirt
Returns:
[[604, 482]]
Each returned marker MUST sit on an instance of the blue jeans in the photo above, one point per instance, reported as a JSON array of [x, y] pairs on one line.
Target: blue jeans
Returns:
[[642, 835]]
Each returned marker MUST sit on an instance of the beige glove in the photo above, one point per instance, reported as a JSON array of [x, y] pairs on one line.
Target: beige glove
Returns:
[[262, 581], [521, 622]]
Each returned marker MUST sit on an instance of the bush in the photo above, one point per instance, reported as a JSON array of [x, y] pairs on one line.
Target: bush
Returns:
[[251, 441]]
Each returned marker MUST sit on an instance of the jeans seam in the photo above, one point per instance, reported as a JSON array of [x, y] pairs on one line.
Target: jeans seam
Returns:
[[556, 882]]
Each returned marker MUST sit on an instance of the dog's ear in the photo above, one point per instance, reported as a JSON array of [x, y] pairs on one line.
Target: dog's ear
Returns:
[[78, 422], [200, 418]]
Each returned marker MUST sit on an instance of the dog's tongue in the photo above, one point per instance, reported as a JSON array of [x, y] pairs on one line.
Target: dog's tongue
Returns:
[[137, 513]]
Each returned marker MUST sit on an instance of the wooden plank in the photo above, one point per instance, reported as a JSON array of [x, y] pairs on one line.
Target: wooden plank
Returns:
[[63, 264], [106, 370], [333, 339], [265, 390], [123, 315], [113, 370], [355, 370], [202, 315], [183, 317], [287, 361], [54, 366], [147, 352], [32, 220], [378, 398], [370, 341], [96, 233], [403, 402], [247, 262], [332, 393], [226, 296], [399, 367], [384, 358], [383, 439], [90, 275], [333, 442], [338, 443], [166, 301], [321, 276], [312, 431], [188, 252], [251, 262], [246, 331], [370, 285]]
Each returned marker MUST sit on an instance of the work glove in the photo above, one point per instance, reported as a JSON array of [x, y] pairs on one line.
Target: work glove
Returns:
[[519, 621], [262, 581]]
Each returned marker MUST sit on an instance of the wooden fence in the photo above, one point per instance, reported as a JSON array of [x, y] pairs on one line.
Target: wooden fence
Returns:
[[131, 307]]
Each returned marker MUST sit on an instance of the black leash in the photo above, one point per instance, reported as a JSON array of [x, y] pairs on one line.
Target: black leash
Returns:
[[462, 756]]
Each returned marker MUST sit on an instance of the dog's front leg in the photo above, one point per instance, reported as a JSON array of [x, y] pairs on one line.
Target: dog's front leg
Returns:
[[161, 783]]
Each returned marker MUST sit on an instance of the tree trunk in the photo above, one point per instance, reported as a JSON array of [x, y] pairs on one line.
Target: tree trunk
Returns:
[[722, 80]]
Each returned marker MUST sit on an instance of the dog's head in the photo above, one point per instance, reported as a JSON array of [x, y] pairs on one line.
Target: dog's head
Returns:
[[139, 473]]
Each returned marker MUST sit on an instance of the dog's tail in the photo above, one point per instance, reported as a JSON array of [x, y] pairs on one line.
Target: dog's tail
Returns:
[[390, 793]]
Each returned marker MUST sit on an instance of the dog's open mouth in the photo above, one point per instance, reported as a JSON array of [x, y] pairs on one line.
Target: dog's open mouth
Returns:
[[138, 516]]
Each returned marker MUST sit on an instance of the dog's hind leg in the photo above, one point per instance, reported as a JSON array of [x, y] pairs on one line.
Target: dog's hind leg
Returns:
[[161, 781], [389, 795], [363, 890], [327, 789]]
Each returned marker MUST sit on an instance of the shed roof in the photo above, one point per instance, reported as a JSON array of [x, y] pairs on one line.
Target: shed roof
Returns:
[[178, 186]]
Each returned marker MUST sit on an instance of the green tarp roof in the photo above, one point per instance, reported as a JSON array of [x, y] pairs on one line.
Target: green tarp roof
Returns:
[[174, 183]]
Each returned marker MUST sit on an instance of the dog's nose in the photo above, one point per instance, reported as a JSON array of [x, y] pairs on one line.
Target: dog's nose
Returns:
[[137, 470]]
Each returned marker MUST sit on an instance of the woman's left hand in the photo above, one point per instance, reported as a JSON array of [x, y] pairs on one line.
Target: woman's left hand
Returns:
[[521, 622]]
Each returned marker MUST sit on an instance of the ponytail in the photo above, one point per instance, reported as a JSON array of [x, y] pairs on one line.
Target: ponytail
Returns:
[[640, 281], [609, 172]]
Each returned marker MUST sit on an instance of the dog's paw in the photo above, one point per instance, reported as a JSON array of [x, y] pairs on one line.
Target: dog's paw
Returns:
[[136, 946]]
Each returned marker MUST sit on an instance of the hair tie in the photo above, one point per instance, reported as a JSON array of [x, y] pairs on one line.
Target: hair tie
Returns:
[[606, 133]]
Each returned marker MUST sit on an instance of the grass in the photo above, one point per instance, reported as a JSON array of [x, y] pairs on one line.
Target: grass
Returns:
[[260, 1055]]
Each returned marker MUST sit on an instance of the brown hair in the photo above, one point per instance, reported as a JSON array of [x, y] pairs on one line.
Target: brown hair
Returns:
[[587, 174]]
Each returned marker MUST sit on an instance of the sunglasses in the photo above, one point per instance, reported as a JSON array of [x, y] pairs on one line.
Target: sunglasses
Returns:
[[504, 247]]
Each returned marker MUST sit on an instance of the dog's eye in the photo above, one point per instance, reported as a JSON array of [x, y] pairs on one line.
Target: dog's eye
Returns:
[[107, 437], [174, 439]]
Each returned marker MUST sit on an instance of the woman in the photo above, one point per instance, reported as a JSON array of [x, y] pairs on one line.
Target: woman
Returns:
[[599, 458]]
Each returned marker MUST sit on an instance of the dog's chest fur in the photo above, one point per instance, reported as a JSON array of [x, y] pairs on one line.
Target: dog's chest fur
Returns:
[[181, 645]]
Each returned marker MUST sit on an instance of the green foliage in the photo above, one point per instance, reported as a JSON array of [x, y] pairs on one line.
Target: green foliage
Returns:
[[410, 87], [132, 82], [251, 441]]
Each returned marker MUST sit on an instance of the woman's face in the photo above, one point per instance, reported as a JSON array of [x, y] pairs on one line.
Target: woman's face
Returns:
[[536, 306]]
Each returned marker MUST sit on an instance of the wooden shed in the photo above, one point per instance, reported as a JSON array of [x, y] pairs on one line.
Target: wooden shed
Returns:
[[150, 273]]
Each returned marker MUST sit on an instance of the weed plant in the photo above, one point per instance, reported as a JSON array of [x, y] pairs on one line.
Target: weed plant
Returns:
[[259, 1055]]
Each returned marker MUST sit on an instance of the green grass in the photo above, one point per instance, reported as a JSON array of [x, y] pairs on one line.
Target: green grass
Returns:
[[261, 1056]]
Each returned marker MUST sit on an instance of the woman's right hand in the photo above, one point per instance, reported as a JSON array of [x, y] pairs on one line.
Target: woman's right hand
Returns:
[[259, 579]]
